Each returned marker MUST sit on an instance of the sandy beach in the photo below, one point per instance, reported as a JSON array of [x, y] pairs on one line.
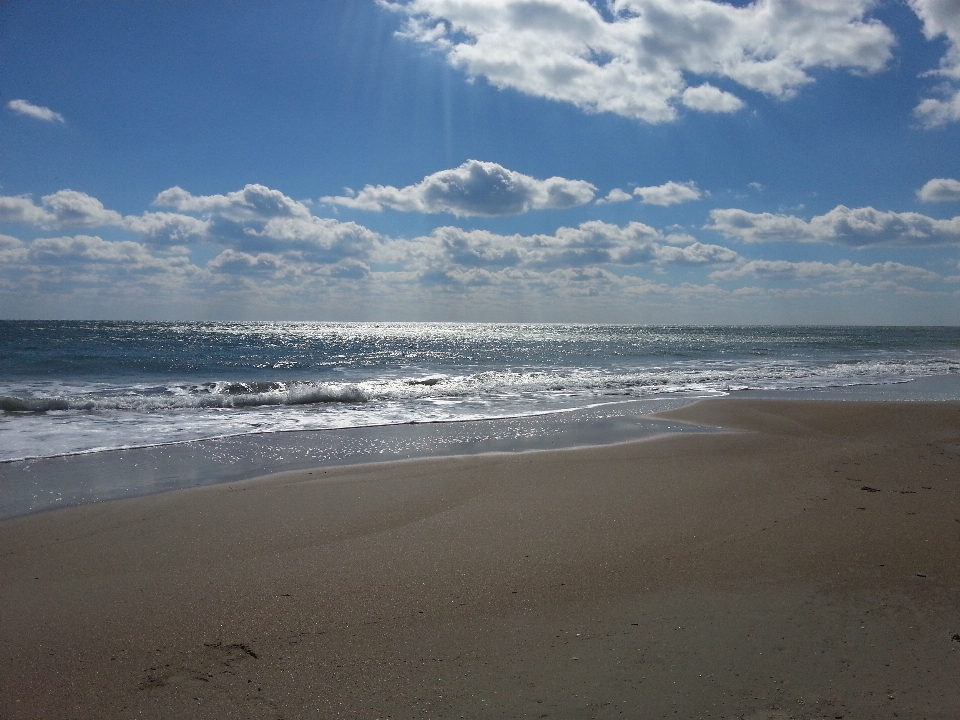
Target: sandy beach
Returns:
[[806, 566]]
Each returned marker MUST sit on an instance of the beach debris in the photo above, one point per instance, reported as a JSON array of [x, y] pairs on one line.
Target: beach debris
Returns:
[[430, 381], [870, 489], [955, 636]]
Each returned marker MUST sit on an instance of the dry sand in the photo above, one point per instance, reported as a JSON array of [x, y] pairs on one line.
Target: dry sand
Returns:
[[808, 568]]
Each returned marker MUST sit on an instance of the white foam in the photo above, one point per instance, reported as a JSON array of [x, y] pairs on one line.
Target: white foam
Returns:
[[45, 418]]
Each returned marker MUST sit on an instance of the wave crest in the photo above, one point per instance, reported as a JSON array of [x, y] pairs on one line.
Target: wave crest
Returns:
[[211, 395]]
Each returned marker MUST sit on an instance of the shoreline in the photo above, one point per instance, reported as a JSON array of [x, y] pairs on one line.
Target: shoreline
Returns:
[[41, 484], [38, 485], [805, 568]]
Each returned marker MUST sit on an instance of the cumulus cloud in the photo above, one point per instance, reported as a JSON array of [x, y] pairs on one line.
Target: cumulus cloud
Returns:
[[941, 18], [707, 98], [475, 188], [856, 227], [259, 243], [23, 107], [670, 193], [255, 219], [167, 227], [260, 226], [615, 196], [60, 209], [262, 233], [638, 63], [70, 208], [78, 209], [591, 244], [12, 249], [271, 265], [319, 239], [940, 190], [20, 208], [786, 270], [87, 250], [268, 247], [934, 113], [253, 202]]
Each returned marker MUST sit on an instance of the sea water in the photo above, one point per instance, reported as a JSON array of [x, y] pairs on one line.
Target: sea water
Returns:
[[391, 390]]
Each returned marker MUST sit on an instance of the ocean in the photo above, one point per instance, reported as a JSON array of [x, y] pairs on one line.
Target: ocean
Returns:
[[233, 392]]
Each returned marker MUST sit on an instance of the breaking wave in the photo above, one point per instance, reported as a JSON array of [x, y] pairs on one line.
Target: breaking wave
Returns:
[[210, 395], [84, 387], [490, 386]]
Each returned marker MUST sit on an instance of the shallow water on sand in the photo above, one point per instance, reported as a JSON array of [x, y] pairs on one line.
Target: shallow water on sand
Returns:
[[46, 483]]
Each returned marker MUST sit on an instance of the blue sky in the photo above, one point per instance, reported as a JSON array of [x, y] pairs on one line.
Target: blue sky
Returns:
[[638, 161]]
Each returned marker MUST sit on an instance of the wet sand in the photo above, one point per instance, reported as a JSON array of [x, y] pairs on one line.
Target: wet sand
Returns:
[[808, 567]]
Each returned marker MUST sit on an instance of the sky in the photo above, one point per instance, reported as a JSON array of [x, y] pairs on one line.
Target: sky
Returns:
[[603, 161]]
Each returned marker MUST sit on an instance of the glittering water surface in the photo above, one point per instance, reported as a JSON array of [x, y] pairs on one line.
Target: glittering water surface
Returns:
[[78, 387]]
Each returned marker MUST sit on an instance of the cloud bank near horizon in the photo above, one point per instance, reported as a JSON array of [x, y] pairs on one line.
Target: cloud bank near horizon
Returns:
[[261, 243], [854, 227]]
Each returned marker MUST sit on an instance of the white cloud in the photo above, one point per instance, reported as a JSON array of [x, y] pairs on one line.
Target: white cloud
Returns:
[[272, 265], [267, 248], [260, 223], [12, 249], [590, 244], [696, 254], [940, 190], [707, 98], [475, 188], [320, 239], [167, 227], [941, 18], [638, 64], [786, 270], [934, 113], [254, 202], [858, 227], [86, 249], [60, 209], [255, 218], [78, 209], [20, 208], [35, 111], [70, 208], [615, 196], [670, 193]]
